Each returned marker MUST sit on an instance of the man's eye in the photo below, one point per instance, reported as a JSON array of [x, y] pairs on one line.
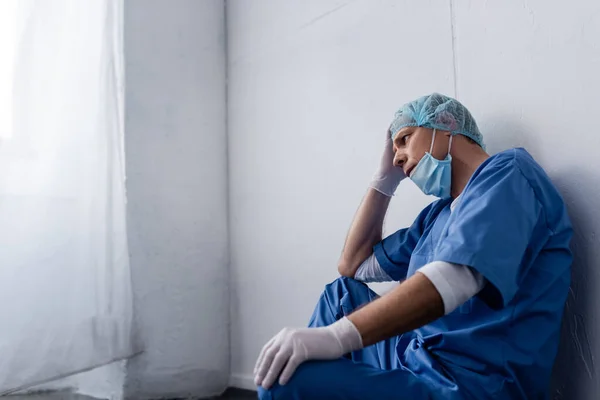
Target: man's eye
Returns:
[[405, 138]]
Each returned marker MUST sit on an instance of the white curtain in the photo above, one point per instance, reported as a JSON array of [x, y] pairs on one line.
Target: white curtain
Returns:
[[65, 288]]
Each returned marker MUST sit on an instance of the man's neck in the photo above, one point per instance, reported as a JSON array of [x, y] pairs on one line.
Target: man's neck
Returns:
[[462, 170]]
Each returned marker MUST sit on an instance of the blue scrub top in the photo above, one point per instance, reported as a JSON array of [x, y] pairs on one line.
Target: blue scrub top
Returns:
[[511, 225]]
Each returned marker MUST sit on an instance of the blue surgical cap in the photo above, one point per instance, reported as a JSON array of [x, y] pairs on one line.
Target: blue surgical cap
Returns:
[[437, 111]]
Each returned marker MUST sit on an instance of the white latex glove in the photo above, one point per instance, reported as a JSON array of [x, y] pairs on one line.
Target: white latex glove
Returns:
[[388, 176], [292, 347]]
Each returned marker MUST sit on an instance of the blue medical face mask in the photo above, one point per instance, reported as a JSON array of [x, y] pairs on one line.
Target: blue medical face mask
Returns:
[[434, 176]]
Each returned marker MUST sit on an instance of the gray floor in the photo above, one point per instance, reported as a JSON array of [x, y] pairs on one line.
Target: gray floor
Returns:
[[230, 394], [237, 394]]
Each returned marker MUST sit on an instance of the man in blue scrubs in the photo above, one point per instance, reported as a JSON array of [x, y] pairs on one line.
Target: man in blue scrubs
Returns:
[[485, 272]]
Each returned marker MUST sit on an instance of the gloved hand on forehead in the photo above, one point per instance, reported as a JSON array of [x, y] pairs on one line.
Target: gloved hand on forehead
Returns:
[[388, 176], [440, 112]]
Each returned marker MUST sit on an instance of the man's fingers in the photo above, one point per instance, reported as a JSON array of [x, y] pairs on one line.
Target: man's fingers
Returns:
[[262, 353], [289, 369], [266, 363], [260, 357], [278, 362]]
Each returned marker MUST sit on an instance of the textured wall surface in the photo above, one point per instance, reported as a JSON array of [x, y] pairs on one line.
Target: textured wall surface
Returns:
[[177, 211], [314, 84]]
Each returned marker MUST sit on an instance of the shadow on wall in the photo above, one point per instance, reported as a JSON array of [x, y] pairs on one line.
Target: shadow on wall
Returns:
[[575, 375]]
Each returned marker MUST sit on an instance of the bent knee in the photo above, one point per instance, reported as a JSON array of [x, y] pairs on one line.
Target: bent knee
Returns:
[[346, 283], [344, 287], [279, 392], [264, 394], [299, 386], [319, 380]]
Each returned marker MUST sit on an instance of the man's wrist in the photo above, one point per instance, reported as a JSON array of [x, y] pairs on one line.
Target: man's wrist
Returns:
[[387, 182], [385, 185], [347, 334]]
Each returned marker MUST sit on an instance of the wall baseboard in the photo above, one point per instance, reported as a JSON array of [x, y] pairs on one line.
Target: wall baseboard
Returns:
[[242, 381]]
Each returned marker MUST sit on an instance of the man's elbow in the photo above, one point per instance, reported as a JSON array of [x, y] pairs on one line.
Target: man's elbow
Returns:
[[346, 269]]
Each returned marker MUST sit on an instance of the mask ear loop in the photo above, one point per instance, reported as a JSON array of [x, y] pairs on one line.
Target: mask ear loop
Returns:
[[432, 142], [450, 143]]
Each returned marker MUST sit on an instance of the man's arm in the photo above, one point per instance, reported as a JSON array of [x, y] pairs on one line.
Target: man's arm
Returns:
[[367, 226], [364, 233], [412, 304]]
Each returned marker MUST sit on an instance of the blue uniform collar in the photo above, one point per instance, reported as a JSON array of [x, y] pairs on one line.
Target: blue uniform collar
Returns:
[[455, 203]]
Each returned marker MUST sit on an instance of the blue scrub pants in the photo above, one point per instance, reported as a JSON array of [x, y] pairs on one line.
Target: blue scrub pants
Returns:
[[372, 373]]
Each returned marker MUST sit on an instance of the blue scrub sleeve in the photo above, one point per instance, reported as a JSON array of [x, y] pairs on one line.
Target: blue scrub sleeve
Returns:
[[393, 253], [491, 228]]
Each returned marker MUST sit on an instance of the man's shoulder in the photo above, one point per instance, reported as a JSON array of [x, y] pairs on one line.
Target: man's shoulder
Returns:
[[519, 164], [518, 159]]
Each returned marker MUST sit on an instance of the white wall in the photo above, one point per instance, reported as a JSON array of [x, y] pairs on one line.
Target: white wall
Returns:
[[313, 85], [177, 211]]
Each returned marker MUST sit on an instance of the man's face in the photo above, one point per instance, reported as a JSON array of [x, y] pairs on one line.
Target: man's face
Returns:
[[411, 143]]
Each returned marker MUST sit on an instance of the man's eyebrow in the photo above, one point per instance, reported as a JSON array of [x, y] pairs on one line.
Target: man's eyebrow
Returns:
[[402, 132]]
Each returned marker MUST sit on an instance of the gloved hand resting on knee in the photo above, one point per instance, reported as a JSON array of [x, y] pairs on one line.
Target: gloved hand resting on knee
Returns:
[[291, 347]]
